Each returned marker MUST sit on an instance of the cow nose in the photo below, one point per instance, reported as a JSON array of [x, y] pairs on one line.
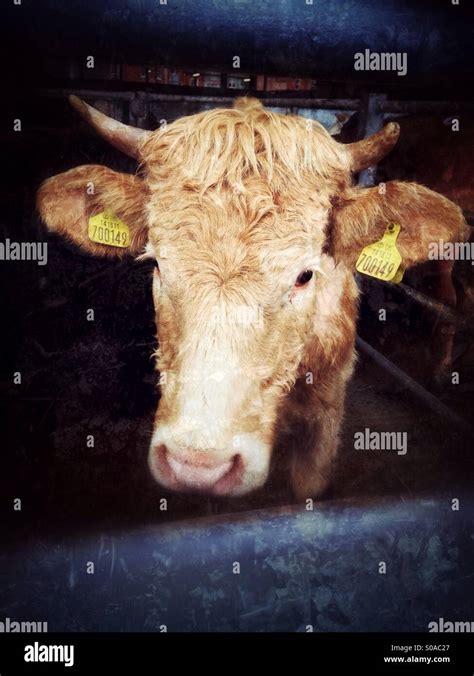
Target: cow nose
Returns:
[[198, 476], [191, 470]]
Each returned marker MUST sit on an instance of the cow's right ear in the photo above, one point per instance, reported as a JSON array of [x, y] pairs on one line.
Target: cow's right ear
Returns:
[[68, 200]]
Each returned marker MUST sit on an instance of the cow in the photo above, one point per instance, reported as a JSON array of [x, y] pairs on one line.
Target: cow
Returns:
[[254, 223]]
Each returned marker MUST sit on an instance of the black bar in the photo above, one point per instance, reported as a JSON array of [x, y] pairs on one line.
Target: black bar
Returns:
[[427, 653]]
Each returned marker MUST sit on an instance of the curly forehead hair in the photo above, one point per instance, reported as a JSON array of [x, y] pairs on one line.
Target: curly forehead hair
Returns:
[[229, 147]]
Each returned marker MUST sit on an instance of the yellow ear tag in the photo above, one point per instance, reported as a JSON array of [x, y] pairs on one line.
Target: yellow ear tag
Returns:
[[382, 259], [107, 228]]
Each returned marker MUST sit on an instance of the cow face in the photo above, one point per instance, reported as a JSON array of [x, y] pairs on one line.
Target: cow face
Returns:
[[235, 294], [253, 226]]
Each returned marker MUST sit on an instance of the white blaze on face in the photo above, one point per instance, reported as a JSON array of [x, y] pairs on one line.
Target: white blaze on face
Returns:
[[209, 393], [212, 386]]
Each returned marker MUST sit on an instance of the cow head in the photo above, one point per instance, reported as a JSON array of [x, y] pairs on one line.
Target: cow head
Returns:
[[254, 226]]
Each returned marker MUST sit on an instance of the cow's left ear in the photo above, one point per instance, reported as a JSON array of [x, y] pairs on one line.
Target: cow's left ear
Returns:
[[360, 217], [67, 201]]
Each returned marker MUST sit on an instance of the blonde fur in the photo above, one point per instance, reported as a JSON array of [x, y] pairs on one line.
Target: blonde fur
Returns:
[[235, 204]]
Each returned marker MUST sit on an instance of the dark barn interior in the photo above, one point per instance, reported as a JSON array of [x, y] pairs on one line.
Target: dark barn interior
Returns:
[[169, 567]]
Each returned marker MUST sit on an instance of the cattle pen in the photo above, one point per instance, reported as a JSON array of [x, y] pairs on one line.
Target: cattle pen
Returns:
[[388, 547]]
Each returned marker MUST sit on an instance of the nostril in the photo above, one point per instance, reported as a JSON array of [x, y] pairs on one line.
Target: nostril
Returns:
[[159, 460], [232, 478]]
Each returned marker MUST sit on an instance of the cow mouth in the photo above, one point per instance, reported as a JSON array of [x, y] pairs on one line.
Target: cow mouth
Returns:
[[186, 477]]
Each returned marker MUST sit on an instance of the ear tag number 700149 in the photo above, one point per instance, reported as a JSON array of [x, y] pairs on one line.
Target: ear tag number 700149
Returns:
[[382, 259], [107, 228]]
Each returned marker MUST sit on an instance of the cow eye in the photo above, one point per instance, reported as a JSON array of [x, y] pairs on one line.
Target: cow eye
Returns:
[[303, 278]]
